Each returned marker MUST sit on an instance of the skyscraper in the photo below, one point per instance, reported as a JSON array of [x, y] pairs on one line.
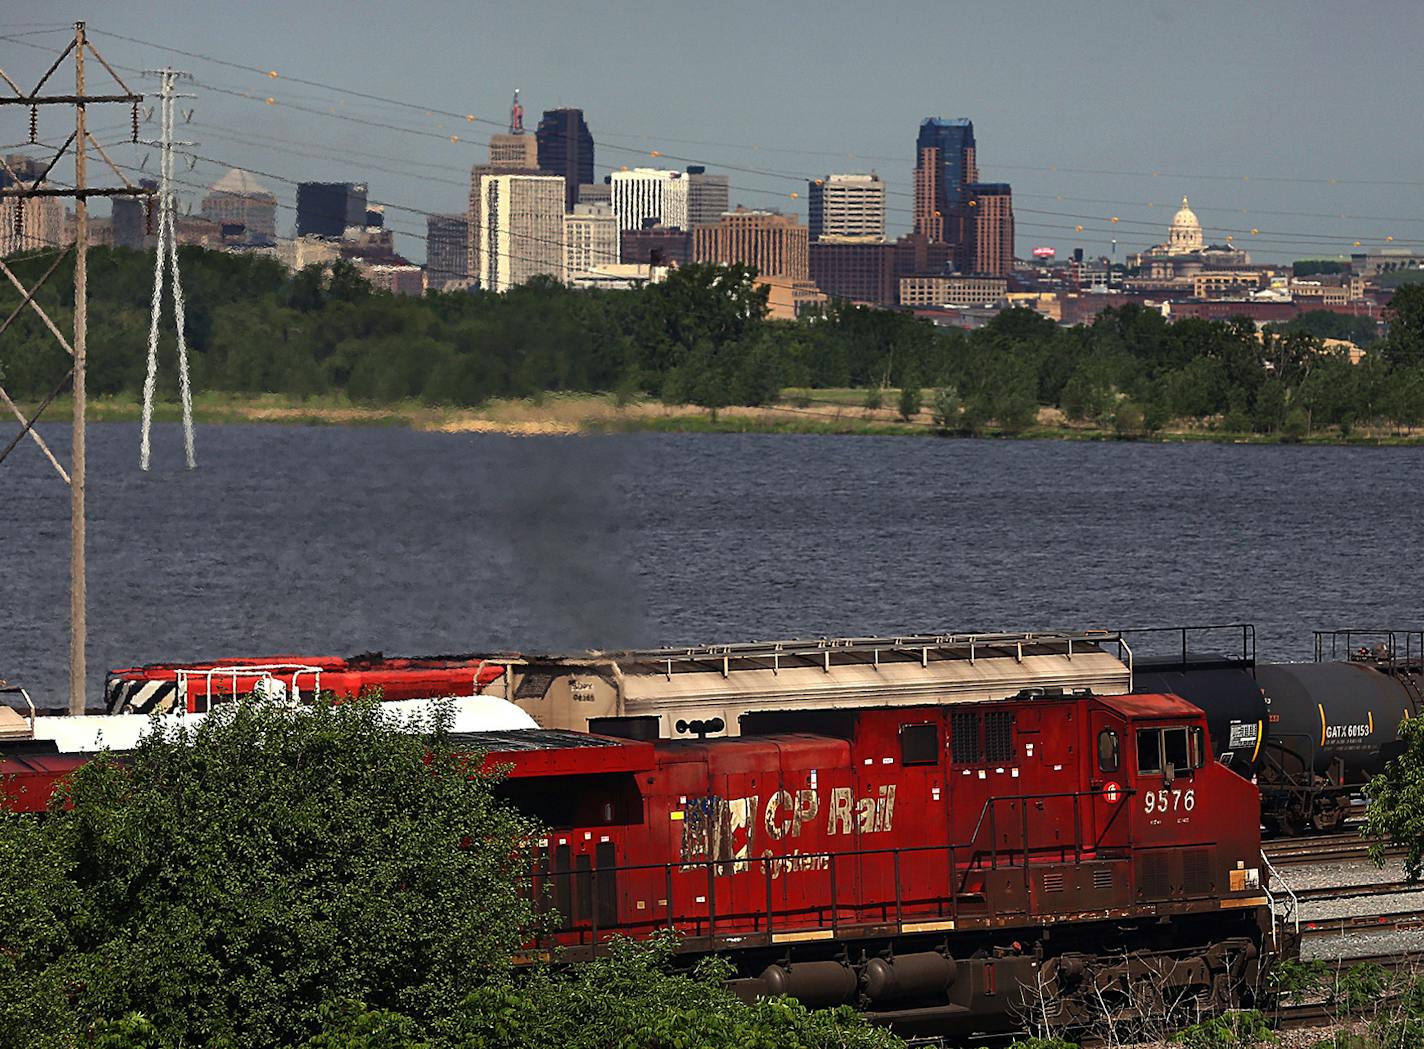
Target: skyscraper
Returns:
[[774, 245], [988, 245], [944, 164], [522, 216], [566, 148], [647, 193], [239, 199], [129, 223], [28, 224], [847, 208], [515, 151], [446, 240], [325, 209], [708, 196]]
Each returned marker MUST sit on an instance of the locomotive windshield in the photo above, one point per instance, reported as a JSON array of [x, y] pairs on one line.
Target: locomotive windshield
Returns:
[[1177, 748]]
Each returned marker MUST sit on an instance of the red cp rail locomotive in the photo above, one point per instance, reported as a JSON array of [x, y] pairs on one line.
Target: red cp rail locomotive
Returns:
[[940, 866]]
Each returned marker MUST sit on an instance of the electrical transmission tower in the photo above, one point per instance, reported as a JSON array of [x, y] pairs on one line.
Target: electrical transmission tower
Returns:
[[166, 249], [22, 190]]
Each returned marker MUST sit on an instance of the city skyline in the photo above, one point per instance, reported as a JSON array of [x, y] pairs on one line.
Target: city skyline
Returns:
[[1053, 116]]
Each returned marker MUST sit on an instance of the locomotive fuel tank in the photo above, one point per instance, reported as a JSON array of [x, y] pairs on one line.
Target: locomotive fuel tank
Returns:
[[1321, 712], [1235, 706]]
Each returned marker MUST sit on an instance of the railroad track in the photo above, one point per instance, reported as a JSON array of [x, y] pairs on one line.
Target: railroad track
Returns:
[[1321, 1014], [1293, 852], [1321, 893], [1396, 921]]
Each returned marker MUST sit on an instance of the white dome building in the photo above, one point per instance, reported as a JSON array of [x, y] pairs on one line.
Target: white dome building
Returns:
[[1185, 234]]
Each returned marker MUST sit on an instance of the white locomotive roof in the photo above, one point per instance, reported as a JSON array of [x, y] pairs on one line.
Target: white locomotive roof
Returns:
[[90, 733], [870, 684]]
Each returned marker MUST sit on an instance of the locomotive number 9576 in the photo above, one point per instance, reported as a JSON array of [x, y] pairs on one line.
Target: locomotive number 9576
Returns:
[[1165, 801]]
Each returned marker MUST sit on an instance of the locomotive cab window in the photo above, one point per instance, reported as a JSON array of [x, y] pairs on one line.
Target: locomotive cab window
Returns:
[[1158, 749], [1175, 752], [1149, 750], [1108, 758], [919, 744]]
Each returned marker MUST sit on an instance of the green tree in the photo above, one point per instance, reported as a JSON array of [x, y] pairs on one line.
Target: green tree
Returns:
[[946, 408], [1395, 815], [911, 400], [1404, 345], [231, 882]]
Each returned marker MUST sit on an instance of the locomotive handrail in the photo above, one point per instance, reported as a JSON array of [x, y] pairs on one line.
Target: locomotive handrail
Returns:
[[1248, 639], [1294, 915], [23, 694], [820, 650], [1413, 638], [957, 874]]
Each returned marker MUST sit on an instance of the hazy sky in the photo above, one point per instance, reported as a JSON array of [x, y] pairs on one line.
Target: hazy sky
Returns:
[[1251, 109]]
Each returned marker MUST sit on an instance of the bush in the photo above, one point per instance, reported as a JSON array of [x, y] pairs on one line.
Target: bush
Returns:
[[1236, 421], [874, 399], [1128, 420], [946, 409], [1227, 1031], [910, 400], [1296, 426]]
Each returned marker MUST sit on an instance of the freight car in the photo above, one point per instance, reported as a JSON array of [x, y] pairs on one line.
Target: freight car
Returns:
[[946, 868], [1310, 734]]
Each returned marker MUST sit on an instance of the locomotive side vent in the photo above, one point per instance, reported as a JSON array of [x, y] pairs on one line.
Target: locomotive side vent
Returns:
[[1052, 881], [1196, 872], [1156, 876], [1102, 877], [999, 736]]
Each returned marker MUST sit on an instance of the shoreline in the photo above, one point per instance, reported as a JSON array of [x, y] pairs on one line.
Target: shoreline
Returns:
[[823, 412]]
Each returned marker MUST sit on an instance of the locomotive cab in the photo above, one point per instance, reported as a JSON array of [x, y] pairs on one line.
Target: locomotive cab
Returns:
[[1193, 823]]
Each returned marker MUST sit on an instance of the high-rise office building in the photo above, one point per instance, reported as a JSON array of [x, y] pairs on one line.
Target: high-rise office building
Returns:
[[38, 222], [648, 193], [129, 220], [988, 244], [847, 208], [522, 216], [708, 196], [566, 148], [515, 151], [325, 209], [774, 245], [590, 240], [446, 242], [238, 199], [945, 163]]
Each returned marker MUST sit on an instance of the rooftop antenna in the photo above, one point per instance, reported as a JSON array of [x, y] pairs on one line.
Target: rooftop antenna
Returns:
[[516, 116]]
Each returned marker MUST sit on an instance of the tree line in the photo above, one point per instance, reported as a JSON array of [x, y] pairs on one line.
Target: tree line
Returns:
[[703, 337]]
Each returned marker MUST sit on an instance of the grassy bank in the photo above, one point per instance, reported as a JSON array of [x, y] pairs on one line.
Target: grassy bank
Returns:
[[821, 411]]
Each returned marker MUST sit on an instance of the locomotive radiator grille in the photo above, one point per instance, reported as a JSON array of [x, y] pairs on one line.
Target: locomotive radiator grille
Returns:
[[1156, 875], [1196, 872]]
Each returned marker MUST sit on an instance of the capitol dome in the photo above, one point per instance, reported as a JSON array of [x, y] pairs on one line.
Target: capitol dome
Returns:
[[1186, 231]]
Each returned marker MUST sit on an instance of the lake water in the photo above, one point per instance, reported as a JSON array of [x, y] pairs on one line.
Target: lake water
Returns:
[[341, 540]]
